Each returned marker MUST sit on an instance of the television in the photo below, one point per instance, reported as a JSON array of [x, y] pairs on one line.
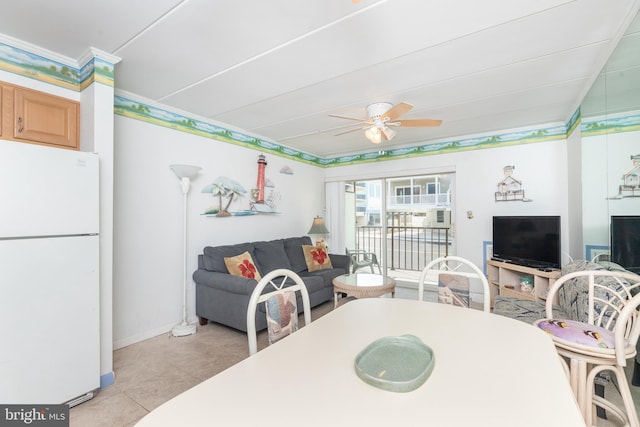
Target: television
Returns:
[[532, 241], [625, 241]]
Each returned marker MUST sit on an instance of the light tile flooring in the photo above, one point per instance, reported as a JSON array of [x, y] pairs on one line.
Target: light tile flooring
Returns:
[[155, 370]]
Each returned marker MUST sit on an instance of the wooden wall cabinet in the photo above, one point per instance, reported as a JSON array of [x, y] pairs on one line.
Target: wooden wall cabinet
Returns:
[[39, 118], [506, 278]]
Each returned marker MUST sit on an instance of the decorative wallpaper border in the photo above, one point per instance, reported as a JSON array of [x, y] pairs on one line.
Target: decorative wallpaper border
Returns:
[[28, 64], [98, 70], [161, 117], [607, 125], [451, 146]]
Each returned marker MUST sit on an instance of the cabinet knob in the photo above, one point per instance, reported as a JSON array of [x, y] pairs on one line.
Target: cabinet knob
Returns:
[[20, 126]]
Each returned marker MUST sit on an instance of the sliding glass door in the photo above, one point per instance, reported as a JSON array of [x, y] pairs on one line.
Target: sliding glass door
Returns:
[[405, 221]]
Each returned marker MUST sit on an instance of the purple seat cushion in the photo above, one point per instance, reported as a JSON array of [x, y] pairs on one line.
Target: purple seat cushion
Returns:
[[574, 332]]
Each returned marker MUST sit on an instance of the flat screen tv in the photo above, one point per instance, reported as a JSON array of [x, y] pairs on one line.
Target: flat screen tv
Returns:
[[533, 241], [625, 241]]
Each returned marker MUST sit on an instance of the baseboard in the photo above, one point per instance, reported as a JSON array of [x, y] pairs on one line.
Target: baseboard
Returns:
[[107, 379], [124, 342]]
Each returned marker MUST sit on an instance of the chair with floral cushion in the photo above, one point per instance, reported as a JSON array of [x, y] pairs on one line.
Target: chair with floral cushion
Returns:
[[601, 342], [277, 290], [454, 276]]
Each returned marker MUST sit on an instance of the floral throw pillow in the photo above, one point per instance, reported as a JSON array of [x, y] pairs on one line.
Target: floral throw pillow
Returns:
[[453, 289], [316, 258], [282, 315], [242, 265]]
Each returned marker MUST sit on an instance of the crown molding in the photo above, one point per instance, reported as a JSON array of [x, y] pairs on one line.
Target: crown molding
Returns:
[[37, 50]]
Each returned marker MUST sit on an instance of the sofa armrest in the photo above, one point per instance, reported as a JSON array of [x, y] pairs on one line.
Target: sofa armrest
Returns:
[[224, 281], [339, 261]]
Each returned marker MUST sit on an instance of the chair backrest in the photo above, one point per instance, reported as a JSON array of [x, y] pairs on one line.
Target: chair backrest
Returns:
[[454, 277], [593, 296], [359, 259], [277, 279], [628, 328]]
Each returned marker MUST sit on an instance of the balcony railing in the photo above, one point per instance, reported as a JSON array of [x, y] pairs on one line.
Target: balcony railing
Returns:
[[439, 199], [408, 248]]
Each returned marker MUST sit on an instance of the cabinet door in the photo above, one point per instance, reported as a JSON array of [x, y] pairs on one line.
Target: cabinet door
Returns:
[[5, 113], [43, 118]]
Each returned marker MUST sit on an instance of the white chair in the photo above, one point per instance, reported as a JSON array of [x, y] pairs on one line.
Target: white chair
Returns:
[[277, 279], [453, 275], [603, 341], [359, 259]]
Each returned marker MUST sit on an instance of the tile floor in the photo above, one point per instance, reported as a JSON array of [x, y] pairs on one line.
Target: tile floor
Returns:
[[155, 370]]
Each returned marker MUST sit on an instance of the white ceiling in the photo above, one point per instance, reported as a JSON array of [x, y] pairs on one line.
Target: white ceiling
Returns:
[[278, 68]]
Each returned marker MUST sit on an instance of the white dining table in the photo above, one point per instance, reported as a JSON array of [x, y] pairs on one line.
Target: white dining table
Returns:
[[489, 371]]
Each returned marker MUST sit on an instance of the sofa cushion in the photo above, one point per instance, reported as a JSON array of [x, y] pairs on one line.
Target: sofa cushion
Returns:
[[316, 258], [214, 256], [313, 283], [327, 276], [293, 248], [242, 265], [270, 256]]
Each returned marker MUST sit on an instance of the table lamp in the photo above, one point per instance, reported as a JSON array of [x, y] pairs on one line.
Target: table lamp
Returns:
[[320, 230]]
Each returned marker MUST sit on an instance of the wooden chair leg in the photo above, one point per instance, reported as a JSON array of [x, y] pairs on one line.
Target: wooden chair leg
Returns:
[[629, 416]]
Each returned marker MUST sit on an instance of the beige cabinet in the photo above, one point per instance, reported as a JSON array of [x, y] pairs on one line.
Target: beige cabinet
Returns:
[[507, 279], [39, 118]]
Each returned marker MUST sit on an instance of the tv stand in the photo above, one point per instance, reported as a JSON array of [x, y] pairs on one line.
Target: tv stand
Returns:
[[504, 279]]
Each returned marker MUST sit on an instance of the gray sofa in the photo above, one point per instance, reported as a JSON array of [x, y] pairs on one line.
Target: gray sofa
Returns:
[[223, 298]]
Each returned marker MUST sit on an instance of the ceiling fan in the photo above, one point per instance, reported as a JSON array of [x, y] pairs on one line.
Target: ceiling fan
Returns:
[[382, 115]]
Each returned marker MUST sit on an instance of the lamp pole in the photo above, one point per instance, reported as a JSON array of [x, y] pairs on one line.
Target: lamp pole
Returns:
[[185, 173]]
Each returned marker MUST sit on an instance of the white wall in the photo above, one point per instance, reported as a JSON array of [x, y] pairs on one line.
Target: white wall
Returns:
[[148, 253], [540, 166], [606, 158]]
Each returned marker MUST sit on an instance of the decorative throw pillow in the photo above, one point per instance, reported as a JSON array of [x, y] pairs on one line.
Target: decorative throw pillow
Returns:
[[242, 265], [453, 289], [282, 315], [316, 258]]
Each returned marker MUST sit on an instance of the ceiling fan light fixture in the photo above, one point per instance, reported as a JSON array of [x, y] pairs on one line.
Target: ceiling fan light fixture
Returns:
[[382, 116], [373, 135], [389, 133]]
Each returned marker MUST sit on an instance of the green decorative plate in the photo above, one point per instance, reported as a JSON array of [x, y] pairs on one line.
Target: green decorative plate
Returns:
[[400, 364]]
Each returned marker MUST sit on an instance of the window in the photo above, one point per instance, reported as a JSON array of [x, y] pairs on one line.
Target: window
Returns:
[[407, 195]]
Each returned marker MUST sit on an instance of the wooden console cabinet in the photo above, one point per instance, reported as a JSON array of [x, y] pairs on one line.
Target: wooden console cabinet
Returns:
[[38, 118], [505, 278]]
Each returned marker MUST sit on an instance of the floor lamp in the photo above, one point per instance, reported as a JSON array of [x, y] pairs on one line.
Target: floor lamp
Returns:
[[185, 173]]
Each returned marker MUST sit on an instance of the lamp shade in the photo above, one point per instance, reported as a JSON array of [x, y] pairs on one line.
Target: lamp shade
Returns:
[[318, 226], [185, 171]]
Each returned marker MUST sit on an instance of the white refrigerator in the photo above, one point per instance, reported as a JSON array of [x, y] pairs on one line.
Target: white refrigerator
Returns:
[[49, 282]]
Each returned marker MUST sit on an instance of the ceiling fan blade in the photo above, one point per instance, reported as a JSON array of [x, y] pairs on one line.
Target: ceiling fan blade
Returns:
[[420, 123], [397, 111], [349, 118]]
